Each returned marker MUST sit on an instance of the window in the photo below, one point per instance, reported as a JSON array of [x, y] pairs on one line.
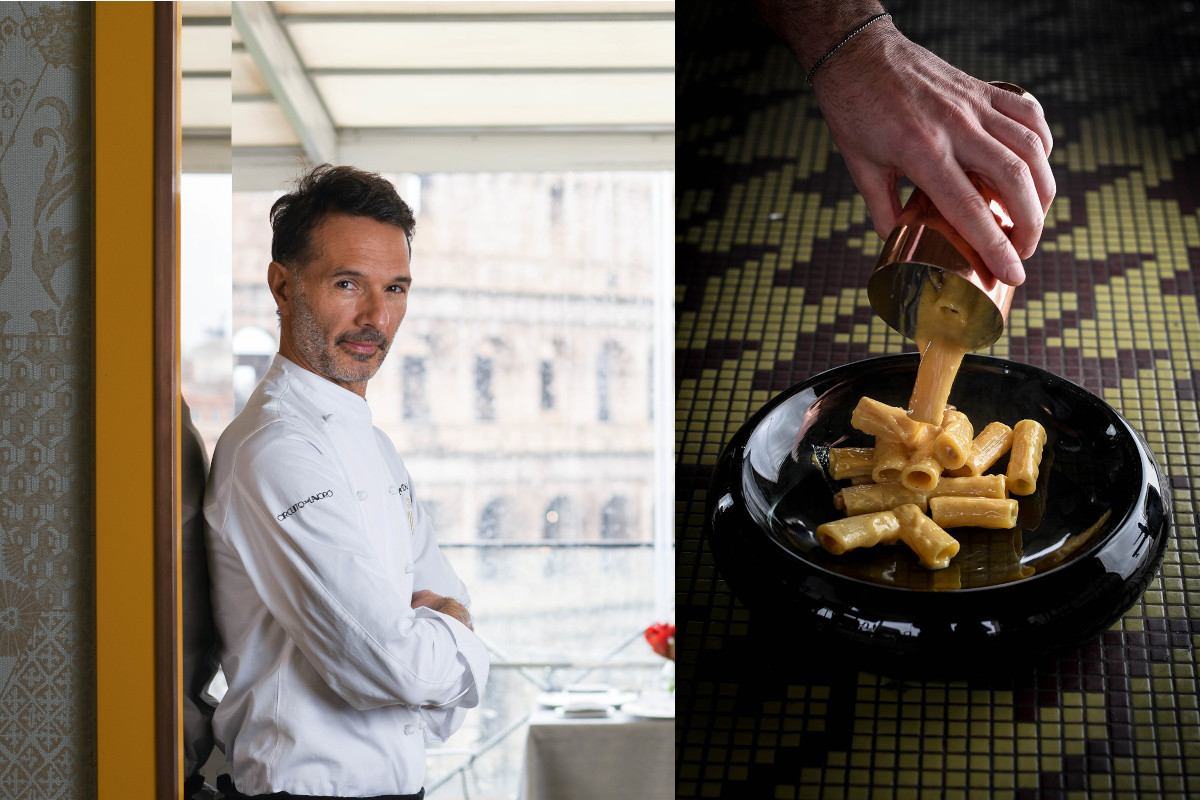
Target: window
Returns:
[[485, 402], [612, 386], [562, 520], [206, 303], [495, 520], [614, 519], [603, 378], [547, 374], [416, 405], [495, 523]]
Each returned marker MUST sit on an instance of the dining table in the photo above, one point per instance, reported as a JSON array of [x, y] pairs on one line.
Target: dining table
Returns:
[[774, 248], [612, 756]]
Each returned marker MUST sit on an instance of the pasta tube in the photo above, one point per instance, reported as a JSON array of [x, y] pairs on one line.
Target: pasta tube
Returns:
[[986, 449], [884, 421], [923, 436], [890, 458], [851, 462], [873, 497], [993, 486], [923, 470], [979, 512], [864, 530], [1028, 439], [953, 444], [933, 546]]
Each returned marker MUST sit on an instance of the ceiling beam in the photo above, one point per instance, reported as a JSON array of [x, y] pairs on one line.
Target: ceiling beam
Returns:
[[281, 68], [423, 71], [268, 169], [636, 16]]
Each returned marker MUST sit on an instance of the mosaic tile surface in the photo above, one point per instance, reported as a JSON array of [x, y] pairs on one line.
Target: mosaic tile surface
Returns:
[[773, 251]]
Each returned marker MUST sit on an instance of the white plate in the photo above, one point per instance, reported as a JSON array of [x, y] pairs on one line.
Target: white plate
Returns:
[[649, 710], [562, 712], [611, 698], [587, 688]]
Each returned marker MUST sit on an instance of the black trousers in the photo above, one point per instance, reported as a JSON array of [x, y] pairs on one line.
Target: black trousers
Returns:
[[225, 785]]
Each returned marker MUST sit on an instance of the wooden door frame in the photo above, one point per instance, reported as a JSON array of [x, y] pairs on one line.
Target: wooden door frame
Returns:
[[136, 190]]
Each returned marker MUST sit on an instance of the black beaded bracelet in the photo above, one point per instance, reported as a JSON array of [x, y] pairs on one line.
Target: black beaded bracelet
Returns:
[[849, 36]]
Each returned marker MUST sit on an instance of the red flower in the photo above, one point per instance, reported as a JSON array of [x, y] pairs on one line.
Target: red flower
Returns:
[[661, 637]]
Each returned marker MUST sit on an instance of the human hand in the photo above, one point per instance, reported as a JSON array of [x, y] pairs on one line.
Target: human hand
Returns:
[[444, 605], [925, 119], [895, 109]]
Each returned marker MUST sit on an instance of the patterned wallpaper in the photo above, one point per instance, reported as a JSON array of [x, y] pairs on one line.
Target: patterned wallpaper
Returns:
[[47, 694]]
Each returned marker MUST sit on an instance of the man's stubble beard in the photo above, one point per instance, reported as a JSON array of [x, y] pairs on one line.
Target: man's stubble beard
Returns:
[[310, 339]]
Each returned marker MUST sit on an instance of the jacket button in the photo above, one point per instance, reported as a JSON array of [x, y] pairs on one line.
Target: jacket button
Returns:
[[408, 568], [362, 494], [410, 729]]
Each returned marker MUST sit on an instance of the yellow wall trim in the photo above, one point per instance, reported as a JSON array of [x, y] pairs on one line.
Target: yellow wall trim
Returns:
[[124, 242]]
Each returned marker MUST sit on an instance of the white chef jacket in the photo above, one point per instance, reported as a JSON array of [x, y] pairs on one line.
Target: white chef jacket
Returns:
[[316, 546]]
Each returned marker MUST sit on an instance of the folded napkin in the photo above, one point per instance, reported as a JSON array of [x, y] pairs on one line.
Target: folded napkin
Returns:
[[587, 688], [584, 707]]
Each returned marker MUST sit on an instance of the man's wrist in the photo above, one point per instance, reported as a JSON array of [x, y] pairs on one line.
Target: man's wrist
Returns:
[[812, 28], [874, 48], [808, 78], [452, 608]]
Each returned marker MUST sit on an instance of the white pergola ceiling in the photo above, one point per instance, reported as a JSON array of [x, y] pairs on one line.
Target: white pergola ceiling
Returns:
[[427, 86]]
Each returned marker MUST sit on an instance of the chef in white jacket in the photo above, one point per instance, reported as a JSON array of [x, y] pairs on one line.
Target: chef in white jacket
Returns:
[[345, 635]]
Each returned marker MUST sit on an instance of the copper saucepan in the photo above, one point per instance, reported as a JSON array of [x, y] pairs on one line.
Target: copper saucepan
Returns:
[[924, 254]]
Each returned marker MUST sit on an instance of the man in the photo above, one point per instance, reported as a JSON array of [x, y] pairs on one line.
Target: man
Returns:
[[345, 633]]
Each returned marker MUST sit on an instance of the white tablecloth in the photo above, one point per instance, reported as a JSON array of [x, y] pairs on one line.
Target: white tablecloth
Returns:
[[610, 758]]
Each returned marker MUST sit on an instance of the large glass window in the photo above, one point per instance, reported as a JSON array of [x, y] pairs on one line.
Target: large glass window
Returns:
[[212, 386]]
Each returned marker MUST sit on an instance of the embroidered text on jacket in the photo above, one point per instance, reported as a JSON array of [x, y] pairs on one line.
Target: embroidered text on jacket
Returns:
[[281, 516]]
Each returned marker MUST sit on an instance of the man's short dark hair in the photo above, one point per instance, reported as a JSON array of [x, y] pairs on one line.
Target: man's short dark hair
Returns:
[[329, 190]]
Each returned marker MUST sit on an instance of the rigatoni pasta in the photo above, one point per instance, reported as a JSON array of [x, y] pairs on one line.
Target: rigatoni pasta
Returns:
[[922, 470], [973, 512], [865, 498], [887, 422], [953, 444], [920, 479], [986, 449], [1028, 439], [864, 530], [933, 546], [851, 462], [890, 458], [971, 486]]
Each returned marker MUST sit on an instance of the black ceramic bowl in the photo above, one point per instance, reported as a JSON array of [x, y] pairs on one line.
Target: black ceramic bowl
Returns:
[[1089, 540]]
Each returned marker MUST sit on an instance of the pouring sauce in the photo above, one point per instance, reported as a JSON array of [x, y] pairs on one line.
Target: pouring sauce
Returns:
[[943, 322]]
